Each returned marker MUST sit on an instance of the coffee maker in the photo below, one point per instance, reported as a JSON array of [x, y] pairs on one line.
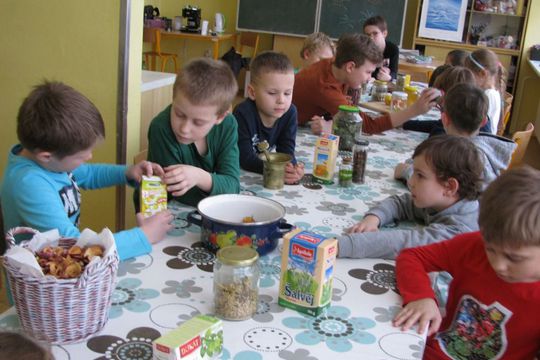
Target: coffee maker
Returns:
[[193, 16]]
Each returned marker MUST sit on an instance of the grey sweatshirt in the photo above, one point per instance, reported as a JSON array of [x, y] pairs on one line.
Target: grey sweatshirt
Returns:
[[459, 218], [495, 152]]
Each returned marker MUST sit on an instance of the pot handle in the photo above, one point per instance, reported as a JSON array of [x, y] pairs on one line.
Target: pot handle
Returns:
[[284, 226], [194, 218]]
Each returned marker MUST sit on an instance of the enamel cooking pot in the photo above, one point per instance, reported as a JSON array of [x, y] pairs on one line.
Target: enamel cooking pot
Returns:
[[222, 221]]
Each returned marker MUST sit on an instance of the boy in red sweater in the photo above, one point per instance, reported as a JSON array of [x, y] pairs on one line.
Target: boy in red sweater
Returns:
[[492, 310]]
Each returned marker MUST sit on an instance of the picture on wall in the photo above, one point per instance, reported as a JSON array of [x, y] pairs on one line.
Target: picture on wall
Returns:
[[443, 19]]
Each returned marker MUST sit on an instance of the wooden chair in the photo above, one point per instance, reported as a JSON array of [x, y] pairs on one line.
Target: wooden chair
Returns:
[[522, 140], [143, 155], [507, 109], [153, 35], [251, 40]]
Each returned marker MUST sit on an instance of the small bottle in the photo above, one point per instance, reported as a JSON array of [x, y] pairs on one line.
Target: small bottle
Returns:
[[345, 172], [236, 282], [359, 160]]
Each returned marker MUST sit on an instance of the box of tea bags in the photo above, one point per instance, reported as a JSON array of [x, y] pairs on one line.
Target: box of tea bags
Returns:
[[153, 195], [307, 267], [324, 162], [199, 338]]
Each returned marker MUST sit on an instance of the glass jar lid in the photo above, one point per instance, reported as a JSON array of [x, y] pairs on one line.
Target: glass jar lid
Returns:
[[379, 82], [400, 95], [348, 108], [411, 88], [237, 255], [361, 142]]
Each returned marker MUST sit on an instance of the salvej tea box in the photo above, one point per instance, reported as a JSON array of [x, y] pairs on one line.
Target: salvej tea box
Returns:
[[324, 162], [153, 195], [200, 338], [307, 267]]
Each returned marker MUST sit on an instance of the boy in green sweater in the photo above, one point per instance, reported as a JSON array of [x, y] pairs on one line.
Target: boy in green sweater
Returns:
[[195, 138]]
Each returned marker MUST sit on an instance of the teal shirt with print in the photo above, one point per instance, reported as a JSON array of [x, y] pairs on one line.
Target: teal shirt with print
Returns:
[[221, 159]]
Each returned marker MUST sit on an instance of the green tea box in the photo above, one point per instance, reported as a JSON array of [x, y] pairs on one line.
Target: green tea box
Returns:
[[307, 266], [200, 338]]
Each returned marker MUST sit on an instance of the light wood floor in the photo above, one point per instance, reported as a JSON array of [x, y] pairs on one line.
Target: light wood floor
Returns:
[[532, 157]]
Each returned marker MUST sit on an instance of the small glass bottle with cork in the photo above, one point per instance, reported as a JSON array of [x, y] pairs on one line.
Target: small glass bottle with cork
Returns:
[[359, 160]]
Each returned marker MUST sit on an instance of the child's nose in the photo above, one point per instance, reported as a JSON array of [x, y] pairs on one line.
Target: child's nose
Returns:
[[499, 264]]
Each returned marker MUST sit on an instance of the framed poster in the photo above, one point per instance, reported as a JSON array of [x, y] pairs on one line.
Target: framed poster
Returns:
[[443, 19]]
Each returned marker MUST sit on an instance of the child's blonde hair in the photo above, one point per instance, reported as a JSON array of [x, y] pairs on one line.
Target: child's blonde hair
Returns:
[[21, 347], [485, 59], [510, 209], [205, 81], [316, 41]]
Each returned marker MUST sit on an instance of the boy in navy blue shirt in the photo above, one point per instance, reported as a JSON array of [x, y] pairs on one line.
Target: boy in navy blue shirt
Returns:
[[267, 114]]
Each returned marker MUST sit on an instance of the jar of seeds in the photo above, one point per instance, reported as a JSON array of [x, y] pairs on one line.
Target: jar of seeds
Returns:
[[359, 160], [236, 282], [380, 88], [345, 172], [348, 126]]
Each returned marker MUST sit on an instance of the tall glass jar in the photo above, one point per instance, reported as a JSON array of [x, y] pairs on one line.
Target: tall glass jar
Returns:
[[348, 126], [359, 161], [236, 282]]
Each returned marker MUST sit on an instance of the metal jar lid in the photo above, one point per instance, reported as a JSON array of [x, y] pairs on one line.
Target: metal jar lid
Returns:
[[237, 255], [361, 142]]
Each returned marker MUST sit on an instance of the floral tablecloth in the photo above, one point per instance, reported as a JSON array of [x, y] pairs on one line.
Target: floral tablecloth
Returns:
[[157, 292]]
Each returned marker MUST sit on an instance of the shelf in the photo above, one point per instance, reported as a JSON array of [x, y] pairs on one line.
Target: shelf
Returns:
[[470, 47], [494, 13]]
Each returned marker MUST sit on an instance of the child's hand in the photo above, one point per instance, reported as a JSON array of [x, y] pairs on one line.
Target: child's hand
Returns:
[[384, 74], [426, 101], [424, 312], [368, 224], [148, 168], [293, 173], [400, 168], [319, 125], [180, 178], [156, 226]]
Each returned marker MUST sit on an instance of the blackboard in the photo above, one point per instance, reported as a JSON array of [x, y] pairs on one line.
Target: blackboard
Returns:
[[295, 17], [345, 16], [333, 17]]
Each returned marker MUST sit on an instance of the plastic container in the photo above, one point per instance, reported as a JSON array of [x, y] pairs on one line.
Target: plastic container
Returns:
[[359, 161], [399, 101], [236, 282], [380, 88], [348, 126], [345, 172]]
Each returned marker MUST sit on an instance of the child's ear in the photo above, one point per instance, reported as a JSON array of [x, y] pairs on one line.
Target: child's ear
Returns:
[[349, 66], [305, 54], [251, 92], [43, 156], [221, 117], [385, 33], [445, 120], [451, 187], [484, 121]]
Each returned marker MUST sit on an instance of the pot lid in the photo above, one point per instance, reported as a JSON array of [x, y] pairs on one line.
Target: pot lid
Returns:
[[237, 255]]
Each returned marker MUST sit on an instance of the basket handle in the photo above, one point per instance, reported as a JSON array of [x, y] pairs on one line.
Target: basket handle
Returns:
[[10, 235]]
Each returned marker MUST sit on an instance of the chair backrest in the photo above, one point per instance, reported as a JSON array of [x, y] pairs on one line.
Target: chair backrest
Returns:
[[143, 155], [522, 140], [251, 40], [153, 36], [507, 108]]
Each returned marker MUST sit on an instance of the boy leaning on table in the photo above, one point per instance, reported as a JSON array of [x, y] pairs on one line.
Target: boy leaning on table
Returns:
[[464, 111], [492, 310], [376, 28], [443, 199], [195, 138], [268, 115], [322, 87], [58, 128]]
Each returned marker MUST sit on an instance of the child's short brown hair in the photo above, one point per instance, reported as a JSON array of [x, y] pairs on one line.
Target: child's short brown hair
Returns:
[[377, 21], [316, 41], [21, 347], [454, 157], [270, 61], [55, 117], [466, 105], [510, 209], [457, 57], [357, 48], [453, 75], [207, 81]]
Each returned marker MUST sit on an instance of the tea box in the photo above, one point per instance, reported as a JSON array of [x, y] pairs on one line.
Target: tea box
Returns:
[[200, 338], [324, 162], [307, 267], [153, 195]]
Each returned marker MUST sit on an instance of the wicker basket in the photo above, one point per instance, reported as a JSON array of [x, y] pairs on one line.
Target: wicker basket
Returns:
[[67, 310]]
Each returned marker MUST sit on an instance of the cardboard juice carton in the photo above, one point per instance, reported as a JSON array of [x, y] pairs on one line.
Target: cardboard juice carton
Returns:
[[200, 338], [324, 162], [307, 267], [153, 195]]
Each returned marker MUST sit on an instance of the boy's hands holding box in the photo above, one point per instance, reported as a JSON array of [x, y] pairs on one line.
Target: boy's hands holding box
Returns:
[[180, 178], [424, 312], [148, 168]]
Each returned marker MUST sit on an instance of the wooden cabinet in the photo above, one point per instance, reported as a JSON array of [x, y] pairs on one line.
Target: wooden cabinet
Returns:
[[496, 24]]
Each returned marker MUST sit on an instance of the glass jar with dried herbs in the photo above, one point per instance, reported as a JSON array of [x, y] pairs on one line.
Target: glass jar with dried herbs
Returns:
[[236, 282], [348, 126]]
